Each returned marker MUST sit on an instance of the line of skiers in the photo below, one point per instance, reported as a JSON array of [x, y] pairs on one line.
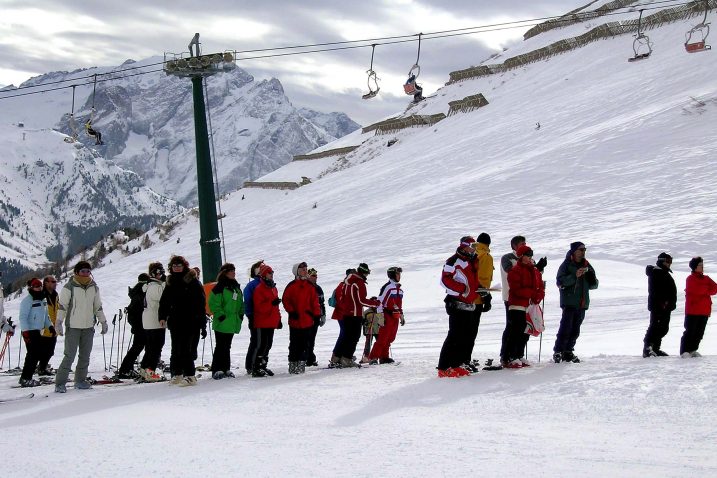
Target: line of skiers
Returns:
[[177, 301], [468, 273]]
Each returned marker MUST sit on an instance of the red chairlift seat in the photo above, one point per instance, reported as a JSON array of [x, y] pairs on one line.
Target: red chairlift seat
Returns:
[[697, 47]]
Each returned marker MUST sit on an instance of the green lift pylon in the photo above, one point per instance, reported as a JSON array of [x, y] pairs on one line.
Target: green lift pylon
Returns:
[[197, 67]]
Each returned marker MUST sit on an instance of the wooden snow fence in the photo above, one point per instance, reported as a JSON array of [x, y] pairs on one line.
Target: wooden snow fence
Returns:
[[467, 104], [325, 154], [393, 125], [271, 185], [607, 30], [573, 17]]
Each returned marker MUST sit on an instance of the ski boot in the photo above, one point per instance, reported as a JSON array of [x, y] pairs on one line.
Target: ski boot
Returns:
[[569, 356]]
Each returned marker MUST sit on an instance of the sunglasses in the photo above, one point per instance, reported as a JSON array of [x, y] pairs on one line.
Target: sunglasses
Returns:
[[85, 271], [178, 265]]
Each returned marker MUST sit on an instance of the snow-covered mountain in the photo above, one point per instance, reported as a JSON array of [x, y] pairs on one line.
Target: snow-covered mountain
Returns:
[[148, 126], [622, 162], [57, 196]]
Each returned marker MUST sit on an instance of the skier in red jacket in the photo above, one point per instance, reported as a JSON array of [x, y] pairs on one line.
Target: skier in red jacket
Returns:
[[698, 308], [301, 302], [353, 300], [267, 318]]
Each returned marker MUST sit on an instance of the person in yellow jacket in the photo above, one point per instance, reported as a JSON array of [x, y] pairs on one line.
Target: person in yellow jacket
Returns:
[[484, 275], [48, 340]]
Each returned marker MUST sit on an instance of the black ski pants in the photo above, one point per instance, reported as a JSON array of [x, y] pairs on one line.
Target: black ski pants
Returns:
[[658, 328], [504, 338], [251, 351], [569, 329], [455, 346], [222, 349], [184, 351], [264, 341], [516, 338], [310, 355], [32, 356], [47, 350], [299, 343], [694, 331], [349, 337], [154, 343], [473, 324], [139, 341]]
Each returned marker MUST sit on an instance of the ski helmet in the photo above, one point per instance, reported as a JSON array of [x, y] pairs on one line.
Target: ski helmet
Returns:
[[392, 271]]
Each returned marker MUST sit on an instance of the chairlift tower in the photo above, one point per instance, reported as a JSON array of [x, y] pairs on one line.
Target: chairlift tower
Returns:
[[196, 66]]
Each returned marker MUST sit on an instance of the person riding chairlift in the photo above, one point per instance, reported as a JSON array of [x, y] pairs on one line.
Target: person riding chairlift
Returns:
[[411, 87], [92, 132]]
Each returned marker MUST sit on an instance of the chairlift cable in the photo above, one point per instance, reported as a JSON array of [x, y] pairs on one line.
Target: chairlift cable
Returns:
[[429, 36], [214, 167]]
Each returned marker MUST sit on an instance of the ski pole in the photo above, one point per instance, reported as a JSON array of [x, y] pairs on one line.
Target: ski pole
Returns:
[[112, 346], [4, 348], [19, 350], [119, 337], [209, 332], [124, 334], [540, 347], [104, 351]]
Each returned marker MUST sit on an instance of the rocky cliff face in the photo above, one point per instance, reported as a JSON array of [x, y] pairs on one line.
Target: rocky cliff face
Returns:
[[147, 124]]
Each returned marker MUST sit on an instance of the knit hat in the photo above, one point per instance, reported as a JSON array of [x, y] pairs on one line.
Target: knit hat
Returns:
[[82, 265], [154, 268], [663, 257], [34, 282], [524, 250], [574, 246], [466, 241], [363, 269], [483, 238], [694, 262], [295, 268], [313, 272], [264, 270], [143, 277]]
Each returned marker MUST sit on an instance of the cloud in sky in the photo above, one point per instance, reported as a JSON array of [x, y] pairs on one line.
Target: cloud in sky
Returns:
[[45, 36]]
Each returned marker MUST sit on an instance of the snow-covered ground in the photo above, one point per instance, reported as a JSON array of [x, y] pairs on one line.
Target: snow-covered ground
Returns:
[[622, 162]]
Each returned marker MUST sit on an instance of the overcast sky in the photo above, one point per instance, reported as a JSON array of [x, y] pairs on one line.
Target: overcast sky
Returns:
[[48, 35]]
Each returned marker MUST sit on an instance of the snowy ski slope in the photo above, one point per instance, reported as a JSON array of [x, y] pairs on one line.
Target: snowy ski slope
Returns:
[[622, 161]]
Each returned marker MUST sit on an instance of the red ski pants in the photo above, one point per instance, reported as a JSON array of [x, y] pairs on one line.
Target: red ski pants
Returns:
[[386, 336]]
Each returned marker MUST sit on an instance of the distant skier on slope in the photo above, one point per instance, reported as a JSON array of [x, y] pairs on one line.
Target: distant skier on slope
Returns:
[[661, 301]]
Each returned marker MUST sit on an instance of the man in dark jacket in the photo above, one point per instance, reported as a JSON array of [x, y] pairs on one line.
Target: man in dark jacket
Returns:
[[576, 277], [661, 301]]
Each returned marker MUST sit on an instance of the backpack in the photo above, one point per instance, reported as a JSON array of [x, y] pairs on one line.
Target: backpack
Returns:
[[137, 304]]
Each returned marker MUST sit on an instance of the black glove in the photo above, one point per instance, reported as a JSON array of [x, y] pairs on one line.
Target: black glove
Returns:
[[276, 301], [541, 264], [293, 316], [222, 318], [204, 333], [486, 302], [52, 331], [280, 326]]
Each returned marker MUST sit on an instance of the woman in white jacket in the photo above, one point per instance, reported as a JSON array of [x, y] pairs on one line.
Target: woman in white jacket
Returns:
[[79, 305], [154, 328]]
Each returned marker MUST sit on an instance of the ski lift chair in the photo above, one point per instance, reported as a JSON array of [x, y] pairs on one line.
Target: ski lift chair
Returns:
[[698, 31], [642, 46], [410, 86], [371, 92]]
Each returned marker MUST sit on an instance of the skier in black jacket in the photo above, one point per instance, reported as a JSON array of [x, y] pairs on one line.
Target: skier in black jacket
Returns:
[[661, 301], [183, 307], [134, 319]]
